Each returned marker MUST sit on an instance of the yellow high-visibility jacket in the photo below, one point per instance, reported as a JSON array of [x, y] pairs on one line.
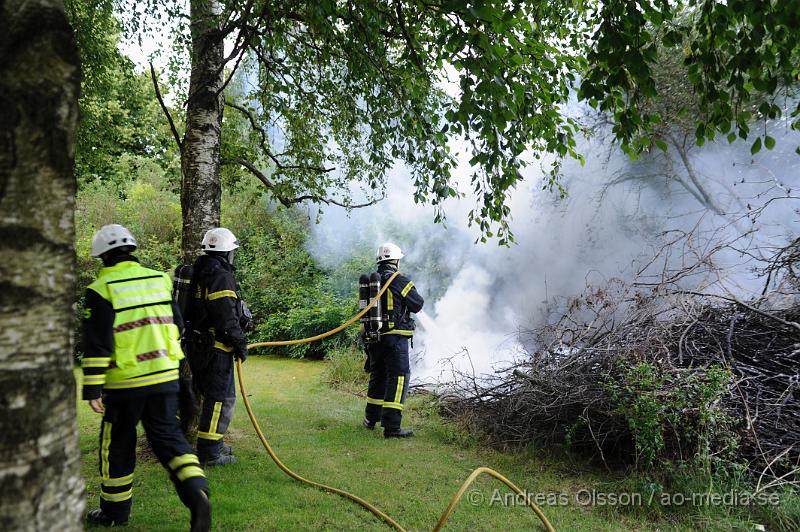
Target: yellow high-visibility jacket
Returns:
[[146, 340]]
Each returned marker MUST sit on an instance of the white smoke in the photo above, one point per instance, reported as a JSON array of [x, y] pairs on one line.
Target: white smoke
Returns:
[[596, 233], [462, 328]]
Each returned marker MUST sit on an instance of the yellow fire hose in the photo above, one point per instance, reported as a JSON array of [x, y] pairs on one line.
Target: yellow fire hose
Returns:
[[388, 520]]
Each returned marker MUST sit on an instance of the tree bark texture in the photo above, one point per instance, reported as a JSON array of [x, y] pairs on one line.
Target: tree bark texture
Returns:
[[40, 484], [200, 158]]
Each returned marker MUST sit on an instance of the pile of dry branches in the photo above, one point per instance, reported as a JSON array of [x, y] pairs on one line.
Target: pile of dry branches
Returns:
[[575, 386]]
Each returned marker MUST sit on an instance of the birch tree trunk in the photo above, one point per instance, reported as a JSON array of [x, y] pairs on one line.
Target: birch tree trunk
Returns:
[[200, 157], [40, 485]]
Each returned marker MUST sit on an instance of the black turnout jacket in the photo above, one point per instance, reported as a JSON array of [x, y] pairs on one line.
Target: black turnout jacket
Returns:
[[398, 302], [215, 306]]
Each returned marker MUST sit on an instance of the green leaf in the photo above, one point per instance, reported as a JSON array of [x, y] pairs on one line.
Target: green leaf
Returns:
[[756, 147], [769, 142], [700, 133]]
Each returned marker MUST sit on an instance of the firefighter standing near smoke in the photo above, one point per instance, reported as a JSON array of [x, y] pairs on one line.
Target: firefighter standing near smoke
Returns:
[[218, 319], [388, 359], [130, 373]]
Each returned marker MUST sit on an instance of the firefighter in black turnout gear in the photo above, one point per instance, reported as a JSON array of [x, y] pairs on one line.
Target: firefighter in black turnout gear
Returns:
[[218, 319], [388, 361], [131, 345]]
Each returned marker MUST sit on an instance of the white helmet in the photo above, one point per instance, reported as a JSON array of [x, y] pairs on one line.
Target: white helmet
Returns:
[[388, 251], [219, 239], [109, 237]]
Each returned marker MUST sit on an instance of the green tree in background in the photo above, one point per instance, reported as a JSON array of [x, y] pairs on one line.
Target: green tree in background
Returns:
[[340, 91], [119, 114], [126, 166]]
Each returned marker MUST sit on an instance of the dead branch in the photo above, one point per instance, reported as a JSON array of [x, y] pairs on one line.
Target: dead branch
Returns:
[[745, 305], [567, 388], [286, 201], [164, 108], [264, 148]]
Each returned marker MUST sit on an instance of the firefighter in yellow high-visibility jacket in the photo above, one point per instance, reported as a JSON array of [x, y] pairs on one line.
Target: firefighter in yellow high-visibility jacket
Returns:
[[131, 345]]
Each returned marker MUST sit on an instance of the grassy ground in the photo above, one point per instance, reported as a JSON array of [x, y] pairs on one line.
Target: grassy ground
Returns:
[[317, 431]]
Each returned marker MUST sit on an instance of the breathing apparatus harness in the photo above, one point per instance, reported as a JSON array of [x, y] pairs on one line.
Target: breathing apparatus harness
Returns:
[[380, 319]]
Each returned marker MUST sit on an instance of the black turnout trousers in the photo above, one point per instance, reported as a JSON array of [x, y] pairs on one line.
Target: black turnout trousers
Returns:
[[216, 384], [158, 412], [388, 381]]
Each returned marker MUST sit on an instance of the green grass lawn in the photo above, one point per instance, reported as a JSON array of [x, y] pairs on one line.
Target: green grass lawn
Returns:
[[317, 432]]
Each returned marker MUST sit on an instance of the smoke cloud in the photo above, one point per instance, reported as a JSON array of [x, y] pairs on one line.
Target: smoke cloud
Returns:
[[613, 219]]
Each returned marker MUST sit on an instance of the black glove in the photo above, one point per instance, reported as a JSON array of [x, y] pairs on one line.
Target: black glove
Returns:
[[367, 363], [240, 350]]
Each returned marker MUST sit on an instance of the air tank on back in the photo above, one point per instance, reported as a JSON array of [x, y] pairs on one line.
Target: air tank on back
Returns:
[[374, 325], [363, 300], [181, 289]]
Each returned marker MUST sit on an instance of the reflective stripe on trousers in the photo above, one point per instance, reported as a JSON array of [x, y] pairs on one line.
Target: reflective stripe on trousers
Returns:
[[214, 420]]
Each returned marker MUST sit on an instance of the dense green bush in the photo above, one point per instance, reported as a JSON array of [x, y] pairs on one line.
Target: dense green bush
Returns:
[[290, 296], [685, 446]]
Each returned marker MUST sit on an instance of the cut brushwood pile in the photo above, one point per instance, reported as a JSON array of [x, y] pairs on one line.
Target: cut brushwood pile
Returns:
[[638, 376]]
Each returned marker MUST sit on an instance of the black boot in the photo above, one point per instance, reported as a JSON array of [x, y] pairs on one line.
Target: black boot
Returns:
[[397, 433], [201, 513], [99, 517], [370, 425], [221, 459], [219, 454]]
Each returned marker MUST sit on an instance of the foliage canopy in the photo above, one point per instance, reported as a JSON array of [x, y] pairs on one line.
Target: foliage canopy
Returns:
[[337, 92], [741, 57]]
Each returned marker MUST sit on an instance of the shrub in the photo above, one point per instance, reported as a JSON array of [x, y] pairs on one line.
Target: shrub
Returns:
[[674, 414], [145, 204], [344, 369], [290, 296]]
